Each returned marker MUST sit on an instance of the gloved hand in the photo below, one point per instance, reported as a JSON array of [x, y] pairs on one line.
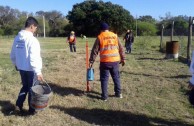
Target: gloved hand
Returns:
[[122, 62]]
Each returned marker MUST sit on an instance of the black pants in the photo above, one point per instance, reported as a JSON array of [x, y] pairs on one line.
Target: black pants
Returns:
[[72, 47], [113, 69], [27, 82], [129, 47]]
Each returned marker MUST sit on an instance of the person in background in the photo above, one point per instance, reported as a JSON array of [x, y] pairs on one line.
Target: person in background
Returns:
[[25, 56], [111, 54], [71, 39], [129, 39]]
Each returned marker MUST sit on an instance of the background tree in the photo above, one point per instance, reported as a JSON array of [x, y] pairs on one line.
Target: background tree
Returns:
[[146, 28], [146, 25], [87, 16], [54, 23], [147, 18], [180, 24]]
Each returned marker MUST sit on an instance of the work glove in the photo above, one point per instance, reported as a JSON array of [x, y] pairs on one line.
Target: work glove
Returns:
[[122, 62]]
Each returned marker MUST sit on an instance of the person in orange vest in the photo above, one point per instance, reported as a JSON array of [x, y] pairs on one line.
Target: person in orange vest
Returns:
[[71, 39], [111, 54]]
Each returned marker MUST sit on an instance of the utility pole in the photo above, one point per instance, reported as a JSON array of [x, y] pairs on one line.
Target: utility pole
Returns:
[[27, 15], [172, 30], [44, 25], [136, 25]]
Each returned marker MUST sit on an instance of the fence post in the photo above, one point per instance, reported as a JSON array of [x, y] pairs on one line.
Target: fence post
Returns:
[[172, 31], [161, 39], [189, 40]]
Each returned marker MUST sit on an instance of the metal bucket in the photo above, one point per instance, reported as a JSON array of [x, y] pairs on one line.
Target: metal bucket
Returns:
[[40, 94], [172, 49]]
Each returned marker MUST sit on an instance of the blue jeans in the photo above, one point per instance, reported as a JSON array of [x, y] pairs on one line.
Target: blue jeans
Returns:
[[27, 82], [113, 69], [129, 47], [72, 47]]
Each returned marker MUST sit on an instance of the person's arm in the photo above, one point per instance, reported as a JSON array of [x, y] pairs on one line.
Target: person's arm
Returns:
[[35, 59], [94, 52], [12, 54], [122, 53]]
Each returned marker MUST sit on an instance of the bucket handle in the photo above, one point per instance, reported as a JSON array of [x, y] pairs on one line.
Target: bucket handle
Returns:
[[42, 86]]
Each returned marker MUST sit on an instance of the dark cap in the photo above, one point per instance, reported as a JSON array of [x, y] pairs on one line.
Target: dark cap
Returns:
[[104, 26]]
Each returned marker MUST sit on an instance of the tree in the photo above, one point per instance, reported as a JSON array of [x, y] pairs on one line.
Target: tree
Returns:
[[55, 23], [87, 16], [147, 18], [180, 25], [146, 28], [8, 31]]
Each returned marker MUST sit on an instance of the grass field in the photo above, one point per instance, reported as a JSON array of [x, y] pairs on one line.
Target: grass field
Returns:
[[154, 89]]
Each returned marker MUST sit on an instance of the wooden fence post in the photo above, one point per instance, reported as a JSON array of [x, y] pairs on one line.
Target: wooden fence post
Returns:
[[172, 31], [189, 40], [161, 39]]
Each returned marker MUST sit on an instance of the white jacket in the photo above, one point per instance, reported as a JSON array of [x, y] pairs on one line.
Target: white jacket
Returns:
[[25, 53]]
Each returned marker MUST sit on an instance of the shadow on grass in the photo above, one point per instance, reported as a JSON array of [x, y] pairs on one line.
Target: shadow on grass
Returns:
[[115, 117], [93, 95], [151, 58], [63, 91], [6, 107], [184, 60], [149, 75], [180, 76]]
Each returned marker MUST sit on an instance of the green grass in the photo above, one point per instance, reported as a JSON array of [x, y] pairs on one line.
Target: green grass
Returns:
[[154, 88]]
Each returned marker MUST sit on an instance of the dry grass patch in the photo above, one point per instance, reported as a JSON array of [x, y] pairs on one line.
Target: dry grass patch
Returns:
[[154, 89]]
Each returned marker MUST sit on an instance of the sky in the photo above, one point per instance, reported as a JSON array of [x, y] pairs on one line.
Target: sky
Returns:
[[154, 8]]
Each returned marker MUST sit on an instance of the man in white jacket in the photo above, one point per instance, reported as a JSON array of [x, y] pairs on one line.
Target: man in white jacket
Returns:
[[25, 55]]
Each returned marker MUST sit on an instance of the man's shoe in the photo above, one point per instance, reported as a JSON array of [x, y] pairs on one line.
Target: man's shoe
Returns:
[[119, 96], [104, 99], [32, 112], [17, 110]]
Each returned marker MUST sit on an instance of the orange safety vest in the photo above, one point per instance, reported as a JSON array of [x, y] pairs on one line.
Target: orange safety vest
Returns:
[[109, 49], [71, 38]]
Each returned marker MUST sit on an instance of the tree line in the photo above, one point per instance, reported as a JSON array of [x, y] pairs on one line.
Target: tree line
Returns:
[[85, 19]]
